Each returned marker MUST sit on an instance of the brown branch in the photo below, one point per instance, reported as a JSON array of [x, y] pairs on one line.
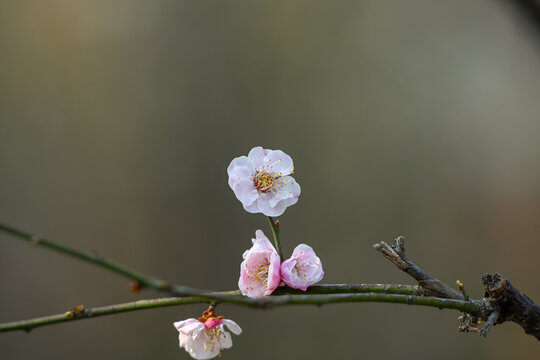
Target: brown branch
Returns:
[[502, 302], [509, 304], [432, 286]]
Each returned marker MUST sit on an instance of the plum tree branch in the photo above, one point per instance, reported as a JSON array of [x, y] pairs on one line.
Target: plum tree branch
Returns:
[[235, 298], [142, 280], [232, 297], [502, 302]]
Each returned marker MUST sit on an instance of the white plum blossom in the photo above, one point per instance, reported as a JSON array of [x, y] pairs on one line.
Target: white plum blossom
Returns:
[[302, 269], [204, 338], [262, 181]]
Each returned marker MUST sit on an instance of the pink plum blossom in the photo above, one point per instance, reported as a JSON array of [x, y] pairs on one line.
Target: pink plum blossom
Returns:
[[262, 181], [204, 338], [259, 272], [302, 269]]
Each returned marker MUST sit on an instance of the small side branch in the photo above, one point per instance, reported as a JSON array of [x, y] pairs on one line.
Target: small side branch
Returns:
[[432, 286], [141, 280], [492, 320]]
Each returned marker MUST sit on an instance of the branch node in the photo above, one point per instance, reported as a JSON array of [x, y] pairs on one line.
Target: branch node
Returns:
[[34, 240]]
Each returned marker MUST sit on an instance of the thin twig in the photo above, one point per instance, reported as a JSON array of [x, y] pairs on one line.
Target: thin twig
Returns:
[[263, 303], [141, 279], [492, 320], [433, 286], [354, 288]]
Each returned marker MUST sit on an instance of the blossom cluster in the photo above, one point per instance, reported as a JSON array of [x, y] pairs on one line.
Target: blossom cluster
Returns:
[[263, 183], [262, 271]]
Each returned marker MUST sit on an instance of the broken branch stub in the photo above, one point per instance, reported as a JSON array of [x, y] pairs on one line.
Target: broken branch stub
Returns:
[[510, 304], [431, 285]]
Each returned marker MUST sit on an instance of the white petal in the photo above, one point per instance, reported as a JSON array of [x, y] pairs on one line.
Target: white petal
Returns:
[[240, 162], [225, 339], [286, 188], [189, 326], [278, 162], [256, 155], [245, 191], [253, 208], [263, 202], [232, 326], [204, 347], [195, 348]]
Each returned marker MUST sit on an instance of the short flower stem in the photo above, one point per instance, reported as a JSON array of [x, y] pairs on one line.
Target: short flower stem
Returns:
[[275, 232]]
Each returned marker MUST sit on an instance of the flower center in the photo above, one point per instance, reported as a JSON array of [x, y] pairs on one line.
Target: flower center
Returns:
[[302, 269], [214, 335], [260, 274], [264, 181]]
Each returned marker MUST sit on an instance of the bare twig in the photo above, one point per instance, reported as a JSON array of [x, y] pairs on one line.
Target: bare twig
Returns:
[[141, 280], [492, 319], [433, 286]]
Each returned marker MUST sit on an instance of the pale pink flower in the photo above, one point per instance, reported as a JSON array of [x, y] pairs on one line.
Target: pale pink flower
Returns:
[[204, 338], [262, 183], [302, 269], [259, 272]]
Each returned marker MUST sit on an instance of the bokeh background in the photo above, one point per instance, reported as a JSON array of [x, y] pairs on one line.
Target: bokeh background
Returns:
[[118, 120]]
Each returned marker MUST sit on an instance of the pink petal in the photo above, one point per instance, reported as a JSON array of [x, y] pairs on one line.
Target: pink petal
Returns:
[[274, 273], [210, 323], [262, 253], [302, 269]]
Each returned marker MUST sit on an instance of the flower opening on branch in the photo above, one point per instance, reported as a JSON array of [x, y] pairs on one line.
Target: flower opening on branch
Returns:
[[260, 270], [302, 269], [262, 181], [203, 338]]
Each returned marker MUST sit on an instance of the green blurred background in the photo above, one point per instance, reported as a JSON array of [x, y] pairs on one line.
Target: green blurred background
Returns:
[[118, 120]]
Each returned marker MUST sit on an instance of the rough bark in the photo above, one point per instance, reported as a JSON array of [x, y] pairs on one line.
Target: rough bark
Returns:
[[509, 304], [502, 302]]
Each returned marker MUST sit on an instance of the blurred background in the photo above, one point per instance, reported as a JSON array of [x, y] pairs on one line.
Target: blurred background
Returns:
[[118, 120]]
